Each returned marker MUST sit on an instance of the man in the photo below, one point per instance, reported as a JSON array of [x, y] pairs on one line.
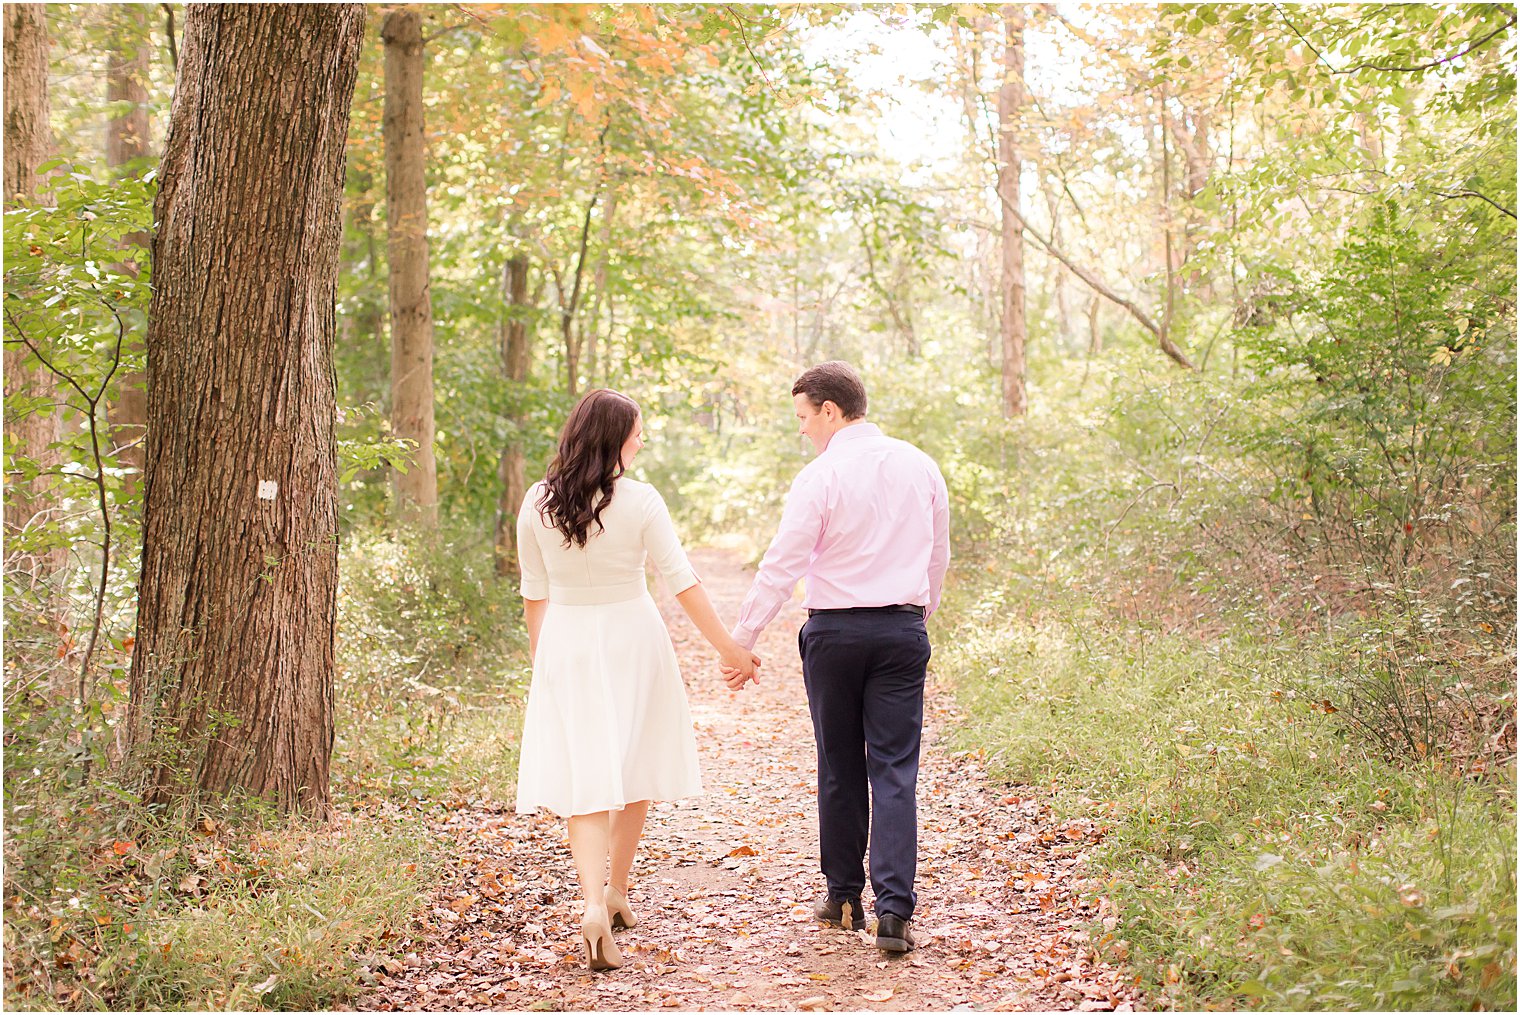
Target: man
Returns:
[[867, 523]]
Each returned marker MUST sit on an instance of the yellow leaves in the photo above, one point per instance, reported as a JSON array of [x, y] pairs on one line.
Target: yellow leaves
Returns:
[[655, 63], [583, 93], [743, 851], [553, 36], [122, 848]]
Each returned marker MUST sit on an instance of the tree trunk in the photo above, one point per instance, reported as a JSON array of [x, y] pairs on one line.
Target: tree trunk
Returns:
[[232, 671], [594, 324], [128, 139], [1010, 111], [411, 302], [517, 360], [28, 143]]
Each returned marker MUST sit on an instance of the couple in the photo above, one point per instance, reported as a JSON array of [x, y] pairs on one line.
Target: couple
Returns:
[[607, 729]]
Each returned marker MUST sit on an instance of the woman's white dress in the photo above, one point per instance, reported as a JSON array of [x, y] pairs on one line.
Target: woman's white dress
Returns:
[[607, 722]]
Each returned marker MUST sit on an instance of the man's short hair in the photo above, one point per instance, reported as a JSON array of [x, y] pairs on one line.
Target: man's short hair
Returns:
[[835, 381]]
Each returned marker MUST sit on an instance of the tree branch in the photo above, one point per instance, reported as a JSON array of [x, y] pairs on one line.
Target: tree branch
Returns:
[[1480, 197], [1163, 342], [1386, 68], [1434, 63]]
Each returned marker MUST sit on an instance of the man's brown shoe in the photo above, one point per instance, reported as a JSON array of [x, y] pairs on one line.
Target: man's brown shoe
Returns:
[[894, 934], [845, 914]]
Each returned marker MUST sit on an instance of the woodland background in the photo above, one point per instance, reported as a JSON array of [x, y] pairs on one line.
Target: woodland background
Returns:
[[1207, 312]]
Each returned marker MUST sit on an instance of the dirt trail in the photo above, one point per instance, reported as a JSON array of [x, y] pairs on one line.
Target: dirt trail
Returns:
[[724, 884]]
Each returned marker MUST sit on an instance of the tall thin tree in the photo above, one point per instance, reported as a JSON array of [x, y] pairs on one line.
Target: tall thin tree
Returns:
[[232, 672], [517, 360], [1010, 115], [416, 489], [128, 139], [28, 143]]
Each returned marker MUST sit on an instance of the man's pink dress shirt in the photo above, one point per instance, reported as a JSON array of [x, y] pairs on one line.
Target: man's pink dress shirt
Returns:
[[867, 523]]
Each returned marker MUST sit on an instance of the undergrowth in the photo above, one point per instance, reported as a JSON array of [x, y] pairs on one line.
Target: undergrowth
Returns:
[[225, 905], [1264, 852]]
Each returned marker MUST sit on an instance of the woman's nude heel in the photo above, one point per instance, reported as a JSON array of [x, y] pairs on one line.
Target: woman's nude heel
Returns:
[[596, 941], [617, 905]]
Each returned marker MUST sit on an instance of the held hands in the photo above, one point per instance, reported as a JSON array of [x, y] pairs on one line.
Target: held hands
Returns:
[[739, 666]]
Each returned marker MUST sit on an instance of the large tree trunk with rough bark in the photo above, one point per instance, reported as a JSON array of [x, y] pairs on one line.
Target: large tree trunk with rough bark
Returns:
[[1010, 112], [127, 140], [411, 302], [517, 360], [28, 143], [232, 672]]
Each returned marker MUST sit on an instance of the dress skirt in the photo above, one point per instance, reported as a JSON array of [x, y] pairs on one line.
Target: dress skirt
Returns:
[[607, 722]]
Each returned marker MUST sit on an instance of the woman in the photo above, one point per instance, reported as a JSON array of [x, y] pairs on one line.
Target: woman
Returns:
[[607, 728]]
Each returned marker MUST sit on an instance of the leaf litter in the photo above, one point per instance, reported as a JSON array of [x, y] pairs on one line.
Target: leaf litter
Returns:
[[724, 884]]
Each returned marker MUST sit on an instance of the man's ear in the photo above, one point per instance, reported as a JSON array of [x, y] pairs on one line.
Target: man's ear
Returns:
[[829, 409]]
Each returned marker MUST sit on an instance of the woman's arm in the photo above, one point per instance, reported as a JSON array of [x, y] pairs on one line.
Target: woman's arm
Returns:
[[733, 655], [533, 613]]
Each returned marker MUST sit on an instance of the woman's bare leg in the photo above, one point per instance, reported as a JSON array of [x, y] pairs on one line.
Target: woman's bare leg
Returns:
[[627, 829], [590, 841]]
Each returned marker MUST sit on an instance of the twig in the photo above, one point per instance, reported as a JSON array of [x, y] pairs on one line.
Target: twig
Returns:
[[98, 480], [1480, 197], [1383, 67], [744, 38]]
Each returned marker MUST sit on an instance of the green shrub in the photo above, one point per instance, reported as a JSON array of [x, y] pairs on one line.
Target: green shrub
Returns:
[[1261, 851], [432, 668]]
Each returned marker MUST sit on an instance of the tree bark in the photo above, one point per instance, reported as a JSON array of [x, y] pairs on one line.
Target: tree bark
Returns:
[[569, 303], [232, 671], [411, 300], [600, 296], [1010, 112], [128, 139], [517, 360], [28, 143]]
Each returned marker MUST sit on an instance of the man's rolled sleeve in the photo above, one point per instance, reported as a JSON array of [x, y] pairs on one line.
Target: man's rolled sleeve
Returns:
[[787, 559]]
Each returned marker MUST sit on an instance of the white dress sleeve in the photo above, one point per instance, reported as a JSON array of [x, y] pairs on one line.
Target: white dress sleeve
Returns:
[[664, 546], [530, 556]]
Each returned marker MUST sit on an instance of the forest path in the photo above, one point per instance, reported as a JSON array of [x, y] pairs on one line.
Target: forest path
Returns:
[[724, 884]]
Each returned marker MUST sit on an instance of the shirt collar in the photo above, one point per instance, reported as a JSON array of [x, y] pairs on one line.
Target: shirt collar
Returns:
[[855, 431]]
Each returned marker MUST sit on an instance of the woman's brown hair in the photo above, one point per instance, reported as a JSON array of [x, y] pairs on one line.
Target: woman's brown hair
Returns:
[[578, 486]]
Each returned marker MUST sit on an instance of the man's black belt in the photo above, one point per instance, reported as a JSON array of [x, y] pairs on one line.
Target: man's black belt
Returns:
[[899, 608]]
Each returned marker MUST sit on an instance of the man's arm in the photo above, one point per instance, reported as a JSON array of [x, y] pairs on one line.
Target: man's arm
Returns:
[[939, 557], [787, 559]]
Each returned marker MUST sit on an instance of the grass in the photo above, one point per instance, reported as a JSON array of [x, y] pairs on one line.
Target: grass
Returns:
[[247, 912], [1261, 852], [224, 905]]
